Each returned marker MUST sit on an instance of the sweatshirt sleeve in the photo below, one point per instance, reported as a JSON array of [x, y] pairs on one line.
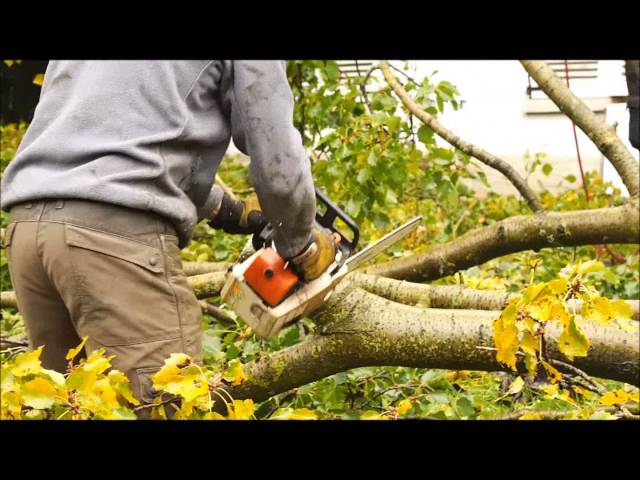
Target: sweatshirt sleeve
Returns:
[[262, 125]]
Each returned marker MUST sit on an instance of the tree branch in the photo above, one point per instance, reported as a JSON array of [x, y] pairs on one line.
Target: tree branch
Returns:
[[482, 155], [408, 293], [358, 329], [207, 284], [516, 234], [198, 268], [448, 296], [602, 135]]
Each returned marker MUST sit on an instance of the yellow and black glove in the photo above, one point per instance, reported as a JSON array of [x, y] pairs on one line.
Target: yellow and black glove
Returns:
[[239, 216], [317, 256]]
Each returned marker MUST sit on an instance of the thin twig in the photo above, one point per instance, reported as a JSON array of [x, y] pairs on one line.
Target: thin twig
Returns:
[[544, 414], [482, 155], [15, 343], [151, 405], [216, 312], [578, 372]]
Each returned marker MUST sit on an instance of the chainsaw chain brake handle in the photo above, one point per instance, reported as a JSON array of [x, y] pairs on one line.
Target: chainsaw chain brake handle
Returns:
[[347, 243]]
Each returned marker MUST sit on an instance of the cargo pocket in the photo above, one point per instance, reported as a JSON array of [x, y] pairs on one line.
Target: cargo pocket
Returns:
[[123, 248], [120, 295], [146, 393]]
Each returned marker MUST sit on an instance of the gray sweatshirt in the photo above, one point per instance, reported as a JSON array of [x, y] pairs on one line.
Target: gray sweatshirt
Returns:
[[150, 135]]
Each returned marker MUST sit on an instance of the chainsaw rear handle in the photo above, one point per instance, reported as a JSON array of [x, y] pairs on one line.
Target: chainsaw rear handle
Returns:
[[327, 220]]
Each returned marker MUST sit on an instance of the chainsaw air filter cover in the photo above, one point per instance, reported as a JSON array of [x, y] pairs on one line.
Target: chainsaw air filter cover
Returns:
[[269, 278]]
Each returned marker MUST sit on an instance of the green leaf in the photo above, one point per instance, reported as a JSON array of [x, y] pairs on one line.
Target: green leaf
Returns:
[[590, 266], [332, 70], [363, 176], [547, 168], [425, 134], [353, 207], [570, 178], [464, 407]]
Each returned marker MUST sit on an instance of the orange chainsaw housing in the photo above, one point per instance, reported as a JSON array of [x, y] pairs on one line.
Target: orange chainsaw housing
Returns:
[[269, 278]]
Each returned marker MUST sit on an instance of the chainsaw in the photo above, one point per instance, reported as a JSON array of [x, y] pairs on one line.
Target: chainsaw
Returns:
[[267, 293]]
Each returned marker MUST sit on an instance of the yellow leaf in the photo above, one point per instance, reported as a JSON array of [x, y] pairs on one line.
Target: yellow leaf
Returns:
[[615, 397], [573, 342], [556, 376], [120, 383], [235, 372], [106, 392], [170, 369], [213, 416], [533, 291], [530, 346], [550, 390], [558, 286], [590, 266], [516, 386], [241, 409], [541, 309], [621, 309], [75, 351], [39, 393], [188, 387], [38, 79], [303, 414], [55, 377], [27, 363], [82, 380], [598, 310], [96, 362], [505, 336], [373, 415], [530, 416], [10, 406], [404, 406]]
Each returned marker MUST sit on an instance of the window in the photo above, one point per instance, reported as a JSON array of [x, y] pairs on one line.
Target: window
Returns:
[[355, 68], [597, 82]]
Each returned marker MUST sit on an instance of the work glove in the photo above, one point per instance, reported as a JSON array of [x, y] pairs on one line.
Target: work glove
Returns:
[[317, 256], [239, 216]]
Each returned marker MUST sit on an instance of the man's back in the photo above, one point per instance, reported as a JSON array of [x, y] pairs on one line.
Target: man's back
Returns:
[[142, 134]]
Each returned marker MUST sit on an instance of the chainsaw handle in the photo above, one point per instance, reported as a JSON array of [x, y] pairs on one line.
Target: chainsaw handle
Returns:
[[332, 211], [326, 220]]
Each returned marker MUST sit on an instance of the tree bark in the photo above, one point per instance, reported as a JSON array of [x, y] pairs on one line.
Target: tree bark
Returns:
[[602, 135], [408, 293], [485, 157], [198, 268], [515, 234], [359, 329], [447, 296]]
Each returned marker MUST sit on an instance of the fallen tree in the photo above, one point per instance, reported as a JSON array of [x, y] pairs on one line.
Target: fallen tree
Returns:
[[360, 329]]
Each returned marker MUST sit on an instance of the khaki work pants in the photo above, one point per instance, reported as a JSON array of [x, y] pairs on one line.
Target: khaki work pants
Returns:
[[114, 274]]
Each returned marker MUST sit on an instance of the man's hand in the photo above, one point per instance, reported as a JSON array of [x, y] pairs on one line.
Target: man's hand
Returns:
[[316, 257], [239, 216]]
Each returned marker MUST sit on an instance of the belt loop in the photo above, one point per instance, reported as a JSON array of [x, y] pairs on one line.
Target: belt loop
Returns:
[[59, 204]]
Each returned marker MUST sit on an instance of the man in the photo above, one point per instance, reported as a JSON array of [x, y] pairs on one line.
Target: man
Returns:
[[113, 174]]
